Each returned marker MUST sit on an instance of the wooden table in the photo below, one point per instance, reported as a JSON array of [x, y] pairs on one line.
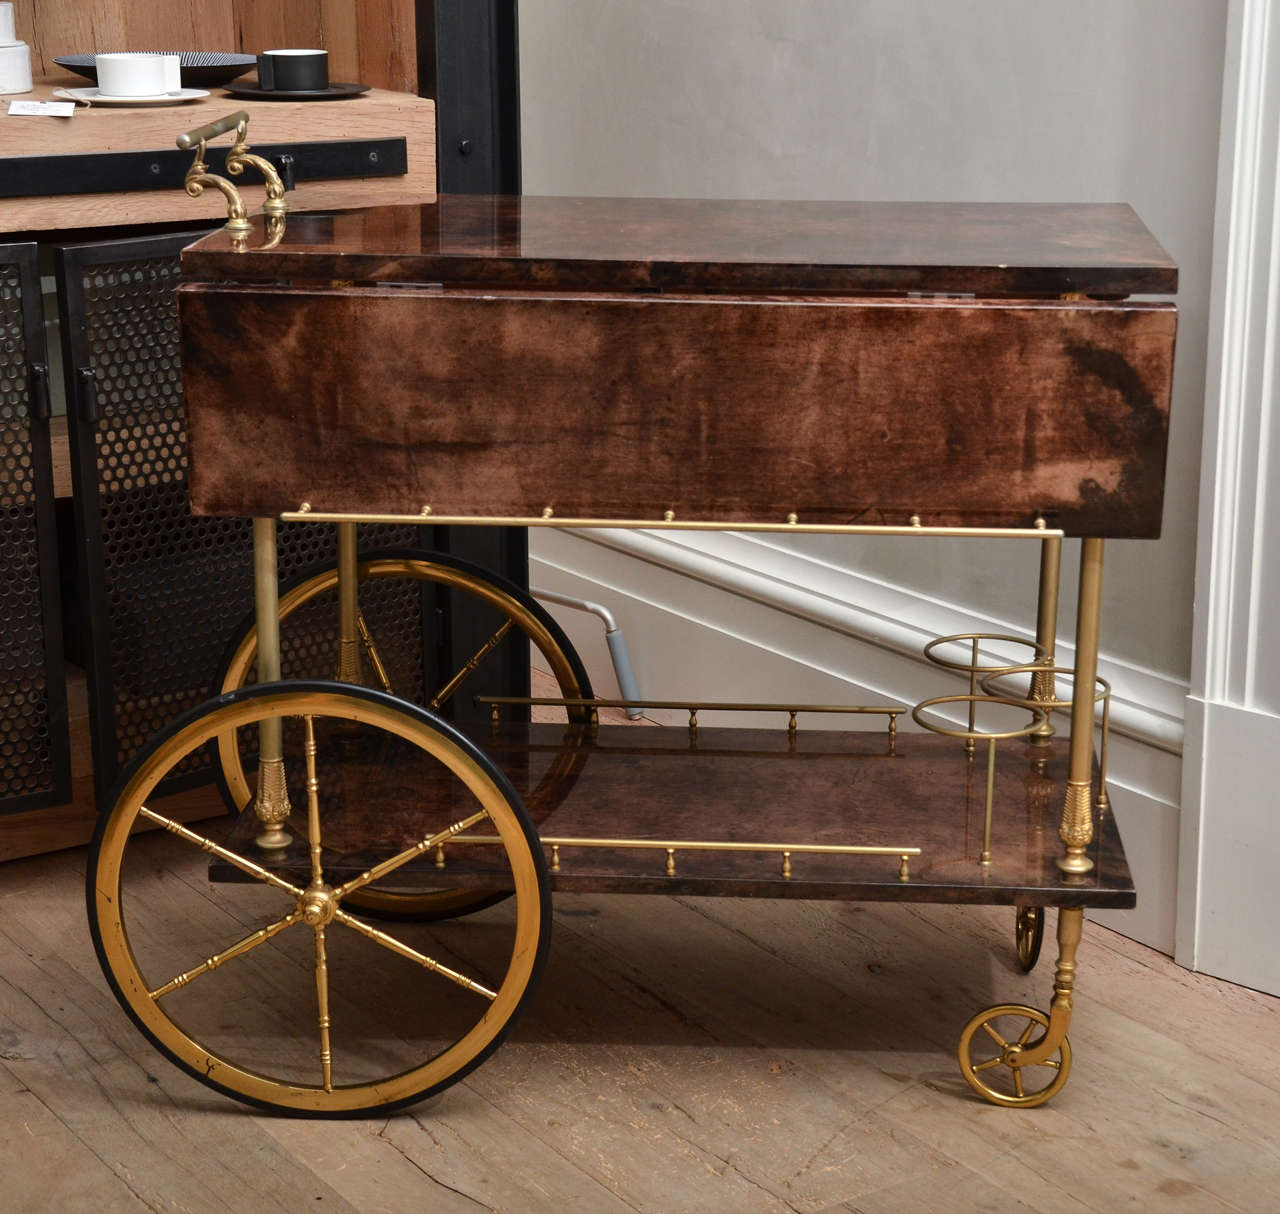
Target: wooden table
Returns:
[[378, 114]]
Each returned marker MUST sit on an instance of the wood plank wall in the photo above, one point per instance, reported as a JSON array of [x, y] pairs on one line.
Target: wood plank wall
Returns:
[[371, 41]]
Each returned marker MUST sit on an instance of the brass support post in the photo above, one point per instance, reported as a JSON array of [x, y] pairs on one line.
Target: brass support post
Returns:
[[991, 790], [1076, 831], [348, 663], [1070, 926], [1042, 687], [271, 803]]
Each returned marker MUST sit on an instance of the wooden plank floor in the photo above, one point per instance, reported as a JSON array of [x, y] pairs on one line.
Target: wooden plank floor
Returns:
[[682, 1055]]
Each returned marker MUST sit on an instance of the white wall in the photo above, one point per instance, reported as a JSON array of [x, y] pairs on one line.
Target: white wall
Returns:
[[1094, 100]]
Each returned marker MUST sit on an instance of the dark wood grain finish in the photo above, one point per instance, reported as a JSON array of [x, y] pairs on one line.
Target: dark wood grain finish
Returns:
[[738, 785], [1016, 249], [719, 409]]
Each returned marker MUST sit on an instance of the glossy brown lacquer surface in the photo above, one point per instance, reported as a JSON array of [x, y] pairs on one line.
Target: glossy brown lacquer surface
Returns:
[[701, 244], [720, 409], [740, 785]]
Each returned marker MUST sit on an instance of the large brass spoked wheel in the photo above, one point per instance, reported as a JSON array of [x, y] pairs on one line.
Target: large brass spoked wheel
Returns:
[[1028, 935], [391, 608], [246, 968], [989, 1052]]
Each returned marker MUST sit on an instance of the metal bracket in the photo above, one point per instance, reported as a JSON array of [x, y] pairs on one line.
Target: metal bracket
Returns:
[[163, 168]]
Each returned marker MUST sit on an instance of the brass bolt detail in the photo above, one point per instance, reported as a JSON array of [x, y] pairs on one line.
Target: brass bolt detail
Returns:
[[669, 516], [318, 905], [793, 518], [547, 512]]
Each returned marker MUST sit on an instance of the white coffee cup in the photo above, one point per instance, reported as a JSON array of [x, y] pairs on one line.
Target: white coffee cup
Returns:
[[137, 74]]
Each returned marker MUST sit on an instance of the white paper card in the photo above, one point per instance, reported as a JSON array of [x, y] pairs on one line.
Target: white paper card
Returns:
[[43, 109]]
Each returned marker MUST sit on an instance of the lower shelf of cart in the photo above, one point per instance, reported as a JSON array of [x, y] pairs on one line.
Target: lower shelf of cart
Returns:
[[672, 789]]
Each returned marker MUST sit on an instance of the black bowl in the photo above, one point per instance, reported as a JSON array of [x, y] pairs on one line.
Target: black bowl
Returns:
[[200, 69]]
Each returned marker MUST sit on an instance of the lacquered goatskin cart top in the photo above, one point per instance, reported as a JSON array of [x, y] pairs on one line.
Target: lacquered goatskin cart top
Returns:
[[718, 362]]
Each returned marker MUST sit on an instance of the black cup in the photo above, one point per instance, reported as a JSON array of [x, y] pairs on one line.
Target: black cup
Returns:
[[293, 71]]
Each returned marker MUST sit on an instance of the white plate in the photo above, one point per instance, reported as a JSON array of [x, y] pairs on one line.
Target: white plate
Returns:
[[94, 97]]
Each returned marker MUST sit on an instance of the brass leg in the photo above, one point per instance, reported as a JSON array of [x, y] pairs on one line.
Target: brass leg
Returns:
[[1077, 813], [348, 665], [998, 1057], [1042, 687], [271, 802]]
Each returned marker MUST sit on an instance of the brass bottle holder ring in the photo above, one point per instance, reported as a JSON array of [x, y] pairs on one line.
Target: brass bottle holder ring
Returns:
[[974, 667], [1039, 715], [1051, 703], [198, 176]]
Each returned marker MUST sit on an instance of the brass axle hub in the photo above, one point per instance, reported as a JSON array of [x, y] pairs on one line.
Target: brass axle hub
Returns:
[[318, 905]]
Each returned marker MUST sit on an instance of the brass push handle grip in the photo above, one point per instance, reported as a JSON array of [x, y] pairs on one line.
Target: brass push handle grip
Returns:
[[198, 175], [211, 130]]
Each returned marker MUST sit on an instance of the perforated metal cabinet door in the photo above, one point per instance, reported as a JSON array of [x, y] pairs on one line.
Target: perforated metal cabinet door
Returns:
[[34, 742], [161, 592]]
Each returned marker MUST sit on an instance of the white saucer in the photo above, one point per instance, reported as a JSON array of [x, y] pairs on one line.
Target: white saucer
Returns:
[[93, 96]]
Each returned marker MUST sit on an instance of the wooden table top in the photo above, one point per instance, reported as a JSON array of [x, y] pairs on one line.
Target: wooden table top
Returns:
[[378, 114], [1011, 249]]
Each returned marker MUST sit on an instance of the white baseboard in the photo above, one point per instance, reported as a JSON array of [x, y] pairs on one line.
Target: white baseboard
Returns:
[[736, 617], [1230, 899]]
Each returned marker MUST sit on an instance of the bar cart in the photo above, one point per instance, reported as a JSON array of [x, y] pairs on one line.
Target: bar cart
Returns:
[[366, 924]]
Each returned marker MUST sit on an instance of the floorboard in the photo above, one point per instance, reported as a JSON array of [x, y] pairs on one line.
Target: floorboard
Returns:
[[682, 1055]]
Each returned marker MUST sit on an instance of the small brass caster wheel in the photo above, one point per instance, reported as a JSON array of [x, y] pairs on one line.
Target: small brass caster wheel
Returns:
[[1028, 934], [989, 1050]]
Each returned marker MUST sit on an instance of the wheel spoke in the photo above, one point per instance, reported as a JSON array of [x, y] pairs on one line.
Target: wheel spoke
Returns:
[[375, 658], [379, 871], [322, 1005], [238, 949], [1026, 1033], [467, 667], [313, 799], [216, 849], [403, 950], [1017, 1081], [986, 1066], [1053, 1062], [1000, 1041]]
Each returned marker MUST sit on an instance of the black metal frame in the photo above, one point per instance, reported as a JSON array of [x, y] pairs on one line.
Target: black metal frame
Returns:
[[83, 416], [36, 403], [165, 168], [468, 60]]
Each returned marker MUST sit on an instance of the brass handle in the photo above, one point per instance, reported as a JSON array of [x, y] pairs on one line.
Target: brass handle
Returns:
[[211, 130], [198, 175]]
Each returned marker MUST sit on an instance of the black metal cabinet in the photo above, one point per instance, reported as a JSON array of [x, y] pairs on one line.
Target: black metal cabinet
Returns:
[[161, 594], [35, 768]]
